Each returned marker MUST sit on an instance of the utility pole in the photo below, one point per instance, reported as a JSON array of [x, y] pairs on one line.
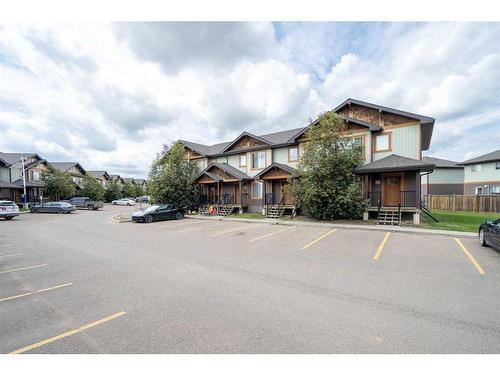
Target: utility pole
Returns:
[[25, 205]]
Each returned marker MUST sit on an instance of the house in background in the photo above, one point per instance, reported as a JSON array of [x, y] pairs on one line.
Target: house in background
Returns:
[[116, 178], [482, 174], [11, 178], [128, 180], [101, 176], [447, 178], [141, 182], [74, 169], [251, 172]]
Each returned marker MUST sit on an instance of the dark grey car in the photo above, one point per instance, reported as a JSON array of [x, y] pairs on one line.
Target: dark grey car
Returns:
[[53, 207]]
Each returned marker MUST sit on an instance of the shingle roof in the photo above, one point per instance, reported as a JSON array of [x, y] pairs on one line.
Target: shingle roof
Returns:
[[441, 163], [128, 179], [139, 181], [65, 165], [98, 174], [492, 156], [394, 163], [284, 167], [10, 158], [225, 167]]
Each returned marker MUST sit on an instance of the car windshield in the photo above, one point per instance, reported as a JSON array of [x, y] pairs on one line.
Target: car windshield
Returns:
[[151, 208]]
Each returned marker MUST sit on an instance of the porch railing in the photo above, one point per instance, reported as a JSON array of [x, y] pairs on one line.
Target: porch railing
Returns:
[[407, 198]]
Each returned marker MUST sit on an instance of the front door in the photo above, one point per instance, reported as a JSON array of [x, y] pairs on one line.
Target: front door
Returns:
[[391, 189], [276, 192]]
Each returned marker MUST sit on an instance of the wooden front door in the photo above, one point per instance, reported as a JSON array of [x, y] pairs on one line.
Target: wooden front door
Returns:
[[392, 187]]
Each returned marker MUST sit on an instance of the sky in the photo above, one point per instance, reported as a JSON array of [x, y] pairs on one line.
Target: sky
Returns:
[[110, 95]]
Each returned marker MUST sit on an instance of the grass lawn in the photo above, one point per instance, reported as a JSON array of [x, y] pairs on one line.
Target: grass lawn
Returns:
[[247, 215], [457, 220], [123, 217]]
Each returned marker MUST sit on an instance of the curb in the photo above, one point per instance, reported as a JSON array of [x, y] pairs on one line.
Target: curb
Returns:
[[380, 228], [120, 221]]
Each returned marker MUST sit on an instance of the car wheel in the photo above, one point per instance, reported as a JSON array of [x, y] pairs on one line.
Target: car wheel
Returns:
[[179, 216], [148, 219], [90, 207], [34, 210], [60, 211], [8, 217], [482, 239], [114, 203]]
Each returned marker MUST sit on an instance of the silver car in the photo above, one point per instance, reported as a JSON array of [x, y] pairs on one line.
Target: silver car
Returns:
[[8, 210]]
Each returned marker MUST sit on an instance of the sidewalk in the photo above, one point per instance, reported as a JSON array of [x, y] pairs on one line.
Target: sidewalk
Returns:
[[382, 228]]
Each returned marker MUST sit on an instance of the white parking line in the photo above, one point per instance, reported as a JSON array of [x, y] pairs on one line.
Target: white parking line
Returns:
[[271, 234], [11, 255], [24, 268], [6, 245]]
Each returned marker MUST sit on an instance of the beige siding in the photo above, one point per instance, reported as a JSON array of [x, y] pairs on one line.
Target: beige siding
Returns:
[[280, 155], [488, 173], [446, 176], [404, 142]]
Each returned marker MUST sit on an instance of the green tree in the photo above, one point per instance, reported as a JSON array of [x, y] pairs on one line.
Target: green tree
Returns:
[[326, 187], [171, 177], [92, 189], [113, 191], [128, 189], [58, 184], [138, 190]]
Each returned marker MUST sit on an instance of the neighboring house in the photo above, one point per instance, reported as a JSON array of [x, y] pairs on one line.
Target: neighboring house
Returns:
[[446, 179], [11, 177], [251, 172], [141, 182], [74, 169], [482, 174], [101, 176], [116, 178], [128, 180]]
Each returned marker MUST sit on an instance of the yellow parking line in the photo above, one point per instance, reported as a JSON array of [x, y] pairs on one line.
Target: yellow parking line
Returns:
[[381, 246], [66, 334], [318, 239], [11, 255], [227, 231], [471, 258], [34, 292], [271, 234], [24, 268]]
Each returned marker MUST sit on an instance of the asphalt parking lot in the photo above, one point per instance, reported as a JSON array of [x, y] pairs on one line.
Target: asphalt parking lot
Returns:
[[81, 283]]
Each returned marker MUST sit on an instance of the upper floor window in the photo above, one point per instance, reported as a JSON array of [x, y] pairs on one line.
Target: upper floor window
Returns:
[[476, 168], [258, 160], [383, 142], [497, 165], [36, 175], [243, 160], [293, 154], [359, 142]]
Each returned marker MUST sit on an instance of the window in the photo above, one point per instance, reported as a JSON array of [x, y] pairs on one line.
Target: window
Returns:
[[476, 168], [258, 160], [479, 191], [257, 189], [36, 175], [383, 142], [497, 165], [495, 189], [243, 160], [359, 142], [293, 154]]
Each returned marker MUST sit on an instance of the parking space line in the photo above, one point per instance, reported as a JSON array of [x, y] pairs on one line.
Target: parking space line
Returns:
[[24, 268], [271, 234], [471, 258], [228, 231], [11, 255], [381, 246], [178, 225], [199, 227], [66, 334], [6, 245], [34, 292], [318, 239]]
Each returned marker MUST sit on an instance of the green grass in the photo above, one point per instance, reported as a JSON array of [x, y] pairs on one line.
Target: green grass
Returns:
[[457, 220], [247, 215]]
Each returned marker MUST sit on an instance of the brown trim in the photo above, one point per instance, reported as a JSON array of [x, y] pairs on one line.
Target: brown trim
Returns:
[[246, 160], [251, 160], [298, 155], [389, 142]]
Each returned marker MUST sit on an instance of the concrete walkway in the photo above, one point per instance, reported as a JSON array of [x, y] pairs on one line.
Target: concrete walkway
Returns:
[[383, 228]]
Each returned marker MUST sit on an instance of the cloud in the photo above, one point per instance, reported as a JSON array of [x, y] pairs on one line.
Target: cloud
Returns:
[[109, 95]]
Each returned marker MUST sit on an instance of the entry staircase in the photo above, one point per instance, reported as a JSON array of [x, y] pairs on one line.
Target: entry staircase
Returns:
[[389, 216], [225, 210], [275, 211]]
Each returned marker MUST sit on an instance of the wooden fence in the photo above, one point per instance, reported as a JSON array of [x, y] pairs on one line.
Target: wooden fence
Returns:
[[474, 203]]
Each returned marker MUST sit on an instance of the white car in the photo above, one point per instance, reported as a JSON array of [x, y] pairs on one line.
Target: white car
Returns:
[[123, 202], [8, 210]]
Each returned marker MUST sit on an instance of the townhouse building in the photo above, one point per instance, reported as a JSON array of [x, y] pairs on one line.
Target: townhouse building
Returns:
[[101, 176], [251, 172], [74, 169], [446, 179], [482, 174]]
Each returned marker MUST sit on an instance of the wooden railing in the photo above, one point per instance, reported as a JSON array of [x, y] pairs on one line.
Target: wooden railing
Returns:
[[407, 198]]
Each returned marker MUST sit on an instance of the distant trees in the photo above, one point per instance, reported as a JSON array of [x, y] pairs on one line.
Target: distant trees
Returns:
[[326, 187], [92, 189], [138, 191], [57, 183], [128, 190], [171, 177], [113, 191]]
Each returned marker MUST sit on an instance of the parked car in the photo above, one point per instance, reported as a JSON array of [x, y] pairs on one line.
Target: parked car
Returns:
[[489, 234], [85, 203], [158, 213], [143, 199], [124, 202], [8, 210], [53, 207]]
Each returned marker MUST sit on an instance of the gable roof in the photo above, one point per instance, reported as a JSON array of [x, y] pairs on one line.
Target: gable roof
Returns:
[[10, 158], [129, 180], [441, 163], [241, 136], [292, 171], [239, 175], [492, 156], [140, 181], [99, 174], [65, 165], [394, 163]]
